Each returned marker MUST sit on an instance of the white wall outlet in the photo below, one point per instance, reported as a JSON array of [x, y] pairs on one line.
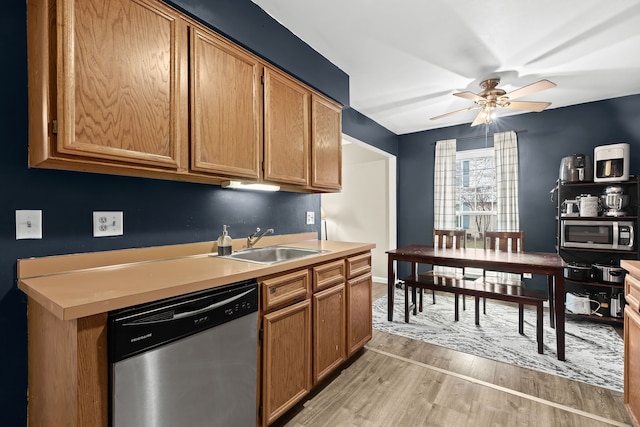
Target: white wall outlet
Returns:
[[311, 217], [108, 224], [28, 224]]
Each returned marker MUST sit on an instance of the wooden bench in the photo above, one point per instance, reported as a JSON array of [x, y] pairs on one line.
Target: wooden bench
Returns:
[[480, 289]]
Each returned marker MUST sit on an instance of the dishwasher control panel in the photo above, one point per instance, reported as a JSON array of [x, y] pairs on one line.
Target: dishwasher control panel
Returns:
[[137, 329]]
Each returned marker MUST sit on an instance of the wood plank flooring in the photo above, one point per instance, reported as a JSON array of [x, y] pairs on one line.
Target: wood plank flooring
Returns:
[[398, 382]]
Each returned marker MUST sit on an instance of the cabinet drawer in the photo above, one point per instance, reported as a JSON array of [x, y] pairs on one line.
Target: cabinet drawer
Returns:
[[632, 291], [359, 264], [327, 275], [285, 289]]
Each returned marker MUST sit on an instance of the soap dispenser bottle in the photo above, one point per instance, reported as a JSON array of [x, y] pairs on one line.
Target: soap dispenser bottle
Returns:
[[224, 242]]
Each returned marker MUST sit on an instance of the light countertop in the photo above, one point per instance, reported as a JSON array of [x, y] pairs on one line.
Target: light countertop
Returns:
[[632, 266], [91, 287]]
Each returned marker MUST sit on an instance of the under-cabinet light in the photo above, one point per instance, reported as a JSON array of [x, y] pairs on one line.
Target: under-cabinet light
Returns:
[[249, 186]]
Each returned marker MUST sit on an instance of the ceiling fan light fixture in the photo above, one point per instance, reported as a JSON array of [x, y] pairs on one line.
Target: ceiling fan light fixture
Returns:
[[493, 97], [503, 102], [489, 115]]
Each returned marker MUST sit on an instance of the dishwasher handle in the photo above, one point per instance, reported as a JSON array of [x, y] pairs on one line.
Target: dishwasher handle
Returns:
[[169, 313], [210, 307]]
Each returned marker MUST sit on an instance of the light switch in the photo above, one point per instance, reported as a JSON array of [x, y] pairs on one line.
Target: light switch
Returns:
[[28, 224]]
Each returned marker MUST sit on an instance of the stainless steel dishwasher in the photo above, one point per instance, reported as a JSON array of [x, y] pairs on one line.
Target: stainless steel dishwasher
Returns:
[[186, 361]]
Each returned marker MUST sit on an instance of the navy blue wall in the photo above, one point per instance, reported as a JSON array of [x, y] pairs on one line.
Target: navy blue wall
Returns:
[[550, 135], [366, 130], [155, 212], [249, 26]]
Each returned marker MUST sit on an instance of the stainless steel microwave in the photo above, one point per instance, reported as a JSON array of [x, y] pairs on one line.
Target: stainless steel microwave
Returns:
[[605, 234]]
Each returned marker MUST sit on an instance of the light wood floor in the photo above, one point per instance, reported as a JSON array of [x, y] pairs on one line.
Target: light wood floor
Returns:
[[397, 381]]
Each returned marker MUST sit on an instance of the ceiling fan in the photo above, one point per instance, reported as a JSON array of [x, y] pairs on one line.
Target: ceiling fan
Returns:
[[493, 97]]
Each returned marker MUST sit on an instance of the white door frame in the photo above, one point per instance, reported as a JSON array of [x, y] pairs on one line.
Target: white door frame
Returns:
[[391, 237]]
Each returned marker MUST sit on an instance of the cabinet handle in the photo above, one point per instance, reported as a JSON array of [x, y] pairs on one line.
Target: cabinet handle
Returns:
[[272, 290]]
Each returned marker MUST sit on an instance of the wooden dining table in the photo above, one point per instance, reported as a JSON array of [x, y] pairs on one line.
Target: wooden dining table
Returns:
[[542, 263]]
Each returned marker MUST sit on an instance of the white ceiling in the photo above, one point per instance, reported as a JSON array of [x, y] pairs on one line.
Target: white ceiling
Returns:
[[406, 58]]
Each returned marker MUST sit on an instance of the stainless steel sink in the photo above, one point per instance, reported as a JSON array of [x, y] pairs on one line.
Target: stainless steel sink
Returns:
[[272, 254]]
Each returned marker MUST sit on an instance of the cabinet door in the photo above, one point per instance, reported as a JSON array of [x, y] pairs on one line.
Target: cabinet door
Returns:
[[226, 108], [632, 362], [286, 129], [122, 82], [329, 330], [286, 359], [326, 148], [359, 319]]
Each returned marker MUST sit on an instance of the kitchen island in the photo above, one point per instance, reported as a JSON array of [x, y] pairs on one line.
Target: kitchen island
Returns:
[[71, 295]]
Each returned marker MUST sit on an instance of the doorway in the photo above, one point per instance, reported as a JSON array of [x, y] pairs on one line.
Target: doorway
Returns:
[[365, 209]]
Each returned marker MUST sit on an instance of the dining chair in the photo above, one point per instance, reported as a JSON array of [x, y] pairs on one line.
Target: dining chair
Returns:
[[445, 239], [505, 241], [513, 241]]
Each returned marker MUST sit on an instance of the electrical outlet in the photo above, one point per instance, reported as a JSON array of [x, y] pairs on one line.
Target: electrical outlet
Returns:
[[108, 224], [28, 224], [311, 218]]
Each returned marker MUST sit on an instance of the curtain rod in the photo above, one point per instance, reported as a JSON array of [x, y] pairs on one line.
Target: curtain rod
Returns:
[[465, 138]]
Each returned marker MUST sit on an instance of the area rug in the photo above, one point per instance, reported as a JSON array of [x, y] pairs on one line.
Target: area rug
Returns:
[[594, 351]]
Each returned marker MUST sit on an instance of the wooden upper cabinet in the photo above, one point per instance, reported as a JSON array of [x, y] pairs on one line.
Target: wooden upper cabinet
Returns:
[[226, 108], [121, 82], [286, 129], [326, 144], [134, 87]]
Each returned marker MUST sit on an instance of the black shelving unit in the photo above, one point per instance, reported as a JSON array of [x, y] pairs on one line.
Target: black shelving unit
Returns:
[[569, 191]]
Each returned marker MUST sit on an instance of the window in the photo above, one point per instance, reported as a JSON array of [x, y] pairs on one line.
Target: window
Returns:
[[475, 193]]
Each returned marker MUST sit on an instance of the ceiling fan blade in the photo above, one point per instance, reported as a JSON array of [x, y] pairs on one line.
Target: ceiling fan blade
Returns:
[[475, 107], [480, 118], [528, 105], [529, 89], [468, 95]]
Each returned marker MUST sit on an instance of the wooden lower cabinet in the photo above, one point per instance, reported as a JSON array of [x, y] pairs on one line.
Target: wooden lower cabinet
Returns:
[[632, 363], [304, 342], [68, 371], [286, 359], [632, 340], [359, 316], [329, 331]]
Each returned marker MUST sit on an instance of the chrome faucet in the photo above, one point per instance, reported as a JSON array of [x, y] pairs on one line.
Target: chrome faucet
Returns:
[[253, 238]]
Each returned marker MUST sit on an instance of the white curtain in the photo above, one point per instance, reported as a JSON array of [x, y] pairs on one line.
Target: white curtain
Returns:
[[444, 185], [505, 147], [444, 193]]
